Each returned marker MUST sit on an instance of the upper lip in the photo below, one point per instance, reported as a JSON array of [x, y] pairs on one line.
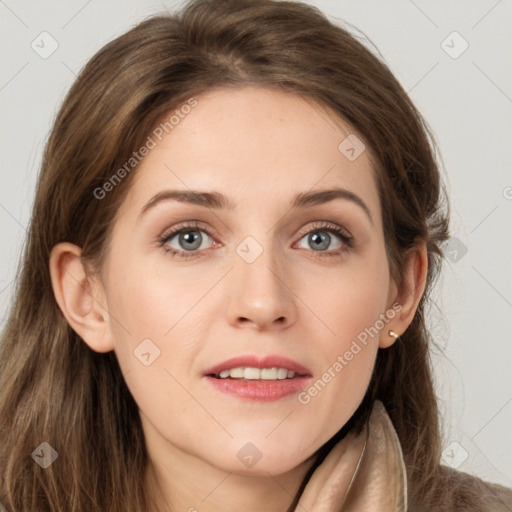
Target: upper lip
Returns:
[[254, 361]]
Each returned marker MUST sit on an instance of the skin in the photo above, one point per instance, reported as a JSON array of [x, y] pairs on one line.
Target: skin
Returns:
[[260, 147]]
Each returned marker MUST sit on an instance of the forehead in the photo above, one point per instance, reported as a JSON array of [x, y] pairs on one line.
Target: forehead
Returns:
[[255, 144]]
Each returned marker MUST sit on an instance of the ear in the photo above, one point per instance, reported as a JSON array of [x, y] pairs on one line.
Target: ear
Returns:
[[404, 300], [80, 297]]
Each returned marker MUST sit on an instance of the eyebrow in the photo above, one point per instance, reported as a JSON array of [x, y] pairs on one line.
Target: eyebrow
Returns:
[[217, 201]]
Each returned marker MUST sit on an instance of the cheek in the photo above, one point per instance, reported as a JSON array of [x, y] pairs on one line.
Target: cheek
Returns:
[[159, 324], [148, 300], [142, 311], [352, 307], [349, 301], [157, 336]]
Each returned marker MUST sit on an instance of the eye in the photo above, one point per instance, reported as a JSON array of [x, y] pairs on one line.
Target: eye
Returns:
[[189, 239], [319, 238]]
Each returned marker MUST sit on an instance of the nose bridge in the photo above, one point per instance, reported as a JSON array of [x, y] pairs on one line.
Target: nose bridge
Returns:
[[260, 291]]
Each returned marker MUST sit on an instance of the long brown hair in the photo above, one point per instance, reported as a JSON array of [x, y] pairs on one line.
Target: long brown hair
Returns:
[[53, 387]]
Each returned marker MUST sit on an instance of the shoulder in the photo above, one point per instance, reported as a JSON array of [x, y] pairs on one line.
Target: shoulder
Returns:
[[454, 491]]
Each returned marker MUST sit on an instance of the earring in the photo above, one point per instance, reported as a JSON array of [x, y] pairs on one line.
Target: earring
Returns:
[[394, 334]]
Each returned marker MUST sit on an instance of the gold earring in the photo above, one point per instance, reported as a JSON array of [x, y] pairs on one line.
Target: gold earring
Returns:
[[394, 334]]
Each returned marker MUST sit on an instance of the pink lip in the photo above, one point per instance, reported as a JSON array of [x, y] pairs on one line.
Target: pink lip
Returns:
[[253, 361], [260, 390]]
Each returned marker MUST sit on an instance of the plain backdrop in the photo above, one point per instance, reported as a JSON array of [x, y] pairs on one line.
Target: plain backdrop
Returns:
[[453, 57]]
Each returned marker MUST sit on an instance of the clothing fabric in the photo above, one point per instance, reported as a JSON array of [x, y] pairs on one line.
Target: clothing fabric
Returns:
[[367, 473]]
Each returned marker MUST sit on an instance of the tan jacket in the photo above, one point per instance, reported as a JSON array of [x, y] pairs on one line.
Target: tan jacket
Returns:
[[366, 473]]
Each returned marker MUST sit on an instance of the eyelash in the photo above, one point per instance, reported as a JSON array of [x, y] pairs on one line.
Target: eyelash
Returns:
[[326, 227]]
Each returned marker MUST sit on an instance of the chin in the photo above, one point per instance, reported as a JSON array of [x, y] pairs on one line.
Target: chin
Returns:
[[264, 468], [260, 459]]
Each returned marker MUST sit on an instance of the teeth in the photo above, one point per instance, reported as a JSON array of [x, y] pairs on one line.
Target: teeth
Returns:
[[257, 374], [252, 373], [282, 373], [235, 373]]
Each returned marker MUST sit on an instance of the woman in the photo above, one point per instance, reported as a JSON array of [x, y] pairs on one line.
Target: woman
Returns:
[[237, 225]]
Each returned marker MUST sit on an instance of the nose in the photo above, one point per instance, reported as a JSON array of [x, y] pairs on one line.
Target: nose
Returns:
[[261, 293]]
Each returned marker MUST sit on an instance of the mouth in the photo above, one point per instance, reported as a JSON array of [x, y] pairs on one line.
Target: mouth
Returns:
[[253, 367], [251, 373], [263, 379]]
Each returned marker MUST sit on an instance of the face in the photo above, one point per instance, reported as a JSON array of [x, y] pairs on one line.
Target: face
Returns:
[[259, 277]]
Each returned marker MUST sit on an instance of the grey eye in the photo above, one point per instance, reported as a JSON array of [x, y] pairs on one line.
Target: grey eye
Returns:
[[188, 239], [319, 240]]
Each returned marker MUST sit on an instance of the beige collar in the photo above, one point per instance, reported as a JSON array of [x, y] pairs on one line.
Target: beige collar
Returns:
[[364, 472]]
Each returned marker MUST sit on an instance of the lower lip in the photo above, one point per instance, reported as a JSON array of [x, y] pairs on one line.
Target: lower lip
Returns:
[[262, 390]]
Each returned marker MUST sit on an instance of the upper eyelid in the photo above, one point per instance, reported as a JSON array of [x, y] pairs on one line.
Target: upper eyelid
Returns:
[[187, 225], [327, 225]]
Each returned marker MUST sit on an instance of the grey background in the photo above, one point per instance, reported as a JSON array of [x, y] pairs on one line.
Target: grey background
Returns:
[[467, 101]]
